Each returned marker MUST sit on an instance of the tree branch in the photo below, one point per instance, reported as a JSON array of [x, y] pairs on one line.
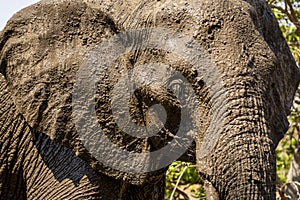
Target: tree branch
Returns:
[[290, 13]]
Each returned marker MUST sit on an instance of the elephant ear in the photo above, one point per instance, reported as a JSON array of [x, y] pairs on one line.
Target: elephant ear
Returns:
[[42, 48], [285, 71]]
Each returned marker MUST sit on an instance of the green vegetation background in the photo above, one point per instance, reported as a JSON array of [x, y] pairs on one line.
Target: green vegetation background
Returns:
[[183, 181]]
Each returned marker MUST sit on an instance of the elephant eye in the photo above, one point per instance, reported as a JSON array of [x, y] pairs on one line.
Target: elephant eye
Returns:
[[176, 86]]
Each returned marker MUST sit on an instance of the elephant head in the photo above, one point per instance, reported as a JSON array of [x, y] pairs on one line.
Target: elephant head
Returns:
[[238, 125]]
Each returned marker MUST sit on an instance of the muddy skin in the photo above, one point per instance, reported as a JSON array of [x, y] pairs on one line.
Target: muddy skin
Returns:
[[42, 48]]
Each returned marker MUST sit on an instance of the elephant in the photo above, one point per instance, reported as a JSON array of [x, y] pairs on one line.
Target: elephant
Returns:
[[48, 53]]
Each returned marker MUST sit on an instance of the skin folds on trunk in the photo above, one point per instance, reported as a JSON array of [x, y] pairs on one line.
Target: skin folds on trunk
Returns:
[[244, 158]]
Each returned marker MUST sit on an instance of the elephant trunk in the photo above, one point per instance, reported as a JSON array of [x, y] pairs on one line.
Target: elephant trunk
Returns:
[[247, 167], [242, 165]]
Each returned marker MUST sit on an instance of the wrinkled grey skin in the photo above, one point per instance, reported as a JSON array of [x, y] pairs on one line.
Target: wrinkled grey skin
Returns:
[[42, 48]]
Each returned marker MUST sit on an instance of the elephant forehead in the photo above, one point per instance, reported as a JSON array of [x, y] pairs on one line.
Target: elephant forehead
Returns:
[[233, 27]]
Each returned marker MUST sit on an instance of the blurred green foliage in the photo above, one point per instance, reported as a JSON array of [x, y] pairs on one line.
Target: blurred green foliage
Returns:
[[183, 176], [284, 154]]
